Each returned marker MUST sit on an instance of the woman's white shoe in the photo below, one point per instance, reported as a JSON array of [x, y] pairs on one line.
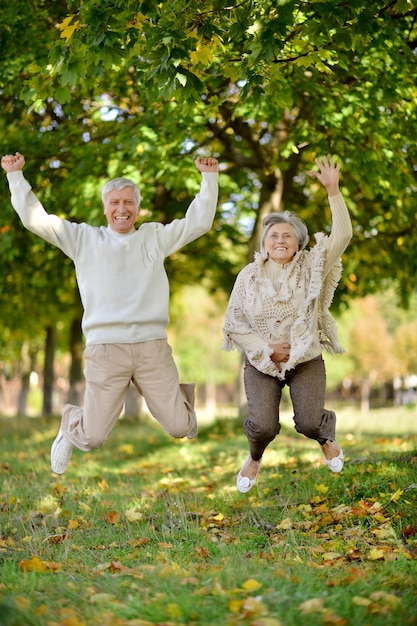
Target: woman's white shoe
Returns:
[[336, 463], [244, 483]]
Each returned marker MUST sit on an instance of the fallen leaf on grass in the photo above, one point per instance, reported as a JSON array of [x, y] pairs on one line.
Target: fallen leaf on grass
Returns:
[[331, 556], [253, 607], [285, 524], [354, 555], [202, 552], [115, 567], [133, 515], [113, 517], [359, 601], [378, 602], [57, 538], [35, 564], [315, 605], [251, 585], [321, 488], [376, 554], [103, 598], [235, 606], [331, 619], [174, 611], [266, 621]]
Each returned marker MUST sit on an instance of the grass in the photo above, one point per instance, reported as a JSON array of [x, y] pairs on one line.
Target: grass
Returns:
[[149, 530]]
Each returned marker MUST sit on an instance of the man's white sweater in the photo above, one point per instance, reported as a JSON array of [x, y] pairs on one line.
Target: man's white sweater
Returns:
[[122, 280]]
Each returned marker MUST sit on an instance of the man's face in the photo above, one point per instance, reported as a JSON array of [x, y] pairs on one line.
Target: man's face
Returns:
[[121, 209]]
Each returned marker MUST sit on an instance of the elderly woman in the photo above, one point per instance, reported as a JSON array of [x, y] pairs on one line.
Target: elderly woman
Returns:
[[278, 316]]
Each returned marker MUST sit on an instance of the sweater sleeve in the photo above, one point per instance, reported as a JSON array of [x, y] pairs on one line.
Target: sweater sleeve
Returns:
[[341, 232], [52, 228], [198, 218]]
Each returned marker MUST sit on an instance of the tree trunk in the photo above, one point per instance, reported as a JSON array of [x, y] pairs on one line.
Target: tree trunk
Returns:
[[23, 395], [29, 362], [48, 370], [76, 379], [365, 395]]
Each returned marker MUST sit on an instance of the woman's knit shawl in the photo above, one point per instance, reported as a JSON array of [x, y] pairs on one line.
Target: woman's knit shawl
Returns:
[[301, 302]]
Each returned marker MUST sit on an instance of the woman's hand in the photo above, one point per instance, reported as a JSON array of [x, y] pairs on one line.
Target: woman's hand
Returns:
[[328, 175], [280, 354]]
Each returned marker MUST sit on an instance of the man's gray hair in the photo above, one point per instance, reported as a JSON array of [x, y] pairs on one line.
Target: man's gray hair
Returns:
[[120, 183], [286, 217]]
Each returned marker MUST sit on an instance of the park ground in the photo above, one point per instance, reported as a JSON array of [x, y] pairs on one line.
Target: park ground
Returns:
[[150, 530]]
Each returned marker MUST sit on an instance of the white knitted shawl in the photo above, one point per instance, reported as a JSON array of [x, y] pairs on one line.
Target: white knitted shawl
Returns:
[[301, 302]]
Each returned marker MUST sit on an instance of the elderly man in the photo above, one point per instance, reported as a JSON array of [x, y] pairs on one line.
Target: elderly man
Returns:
[[124, 290]]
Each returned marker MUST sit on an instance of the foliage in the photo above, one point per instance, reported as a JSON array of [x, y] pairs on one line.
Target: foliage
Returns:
[[196, 327], [107, 88], [147, 530]]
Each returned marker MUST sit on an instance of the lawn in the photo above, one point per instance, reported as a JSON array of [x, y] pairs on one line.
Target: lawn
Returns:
[[150, 530]]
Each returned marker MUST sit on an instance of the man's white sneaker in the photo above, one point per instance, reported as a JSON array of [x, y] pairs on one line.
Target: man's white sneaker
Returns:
[[61, 452]]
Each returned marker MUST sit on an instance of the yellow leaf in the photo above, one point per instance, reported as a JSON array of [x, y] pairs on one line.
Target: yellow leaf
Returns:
[[235, 606], [219, 517], [66, 22], [73, 524], [217, 589], [315, 605], [266, 621], [35, 564], [397, 495], [331, 556], [383, 533], [22, 603], [103, 598], [202, 54], [174, 611], [285, 524], [331, 619], [251, 585], [133, 515], [321, 488], [68, 31], [253, 607], [388, 598], [376, 507], [376, 554], [358, 601], [138, 21]]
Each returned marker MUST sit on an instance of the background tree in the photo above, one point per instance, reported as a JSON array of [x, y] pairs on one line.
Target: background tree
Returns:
[[139, 88]]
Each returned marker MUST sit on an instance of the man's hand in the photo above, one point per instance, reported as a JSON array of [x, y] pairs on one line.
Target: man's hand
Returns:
[[328, 175], [281, 353], [207, 164], [13, 163]]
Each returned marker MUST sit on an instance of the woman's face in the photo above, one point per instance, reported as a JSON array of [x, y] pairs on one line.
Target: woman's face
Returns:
[[281, 242]]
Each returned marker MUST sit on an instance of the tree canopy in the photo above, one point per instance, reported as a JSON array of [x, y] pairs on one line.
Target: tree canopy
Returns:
[[103, 88]]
